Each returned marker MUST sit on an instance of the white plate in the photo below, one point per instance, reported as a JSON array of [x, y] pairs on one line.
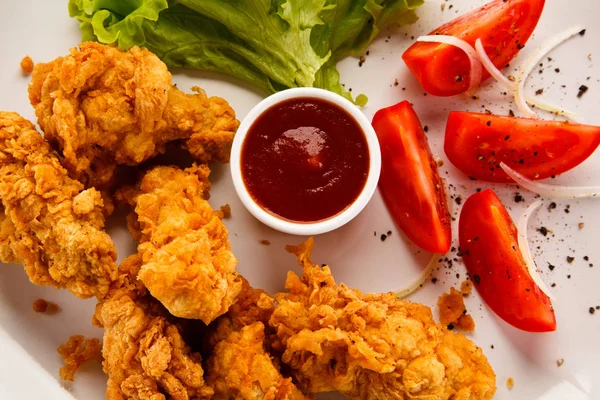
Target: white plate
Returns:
[[42, 29]]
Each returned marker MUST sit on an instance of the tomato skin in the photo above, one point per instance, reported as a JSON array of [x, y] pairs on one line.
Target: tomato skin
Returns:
[[409, 182], [504, 26], [477, 143], [489, 244]]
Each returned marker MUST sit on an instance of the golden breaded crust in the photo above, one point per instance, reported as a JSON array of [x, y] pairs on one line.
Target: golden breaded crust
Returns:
[[372, 346], [51, 225]]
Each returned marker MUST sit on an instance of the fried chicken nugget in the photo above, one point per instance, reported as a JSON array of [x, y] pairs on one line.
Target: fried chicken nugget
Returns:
[[188, 263], [104, 107], [240, 366], [51, 225], [372, 346], [145, 356]]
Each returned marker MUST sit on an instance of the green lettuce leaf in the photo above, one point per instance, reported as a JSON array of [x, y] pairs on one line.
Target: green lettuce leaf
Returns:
[[272, 44]]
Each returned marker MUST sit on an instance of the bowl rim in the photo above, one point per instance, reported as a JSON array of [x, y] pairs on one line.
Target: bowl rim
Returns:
[[312, 228]]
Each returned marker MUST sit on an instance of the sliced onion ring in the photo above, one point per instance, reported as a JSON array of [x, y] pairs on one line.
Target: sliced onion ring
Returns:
[[490, 67], [476, 68], [525, 71], [551, 191], [401, 294], [508, 85], [524, 246]]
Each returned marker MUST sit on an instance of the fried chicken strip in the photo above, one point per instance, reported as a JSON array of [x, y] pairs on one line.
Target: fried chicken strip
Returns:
[[372, 346], [50, 224], [104, 107], [240, 366], [187, 261], [145, 356]]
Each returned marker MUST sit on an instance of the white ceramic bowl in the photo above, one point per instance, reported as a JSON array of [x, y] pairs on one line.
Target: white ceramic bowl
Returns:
[[336, 221]]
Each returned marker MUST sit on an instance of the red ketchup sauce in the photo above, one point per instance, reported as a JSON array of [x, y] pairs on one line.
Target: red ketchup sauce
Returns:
[[305, 160]]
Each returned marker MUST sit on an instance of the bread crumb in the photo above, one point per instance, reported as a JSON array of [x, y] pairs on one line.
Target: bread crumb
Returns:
[[466, 287], [27, 65], [510, 383], [560, 362], [453, 311], [43, 306], [265, 242], [77, 351], [465, 323], [224, 212]]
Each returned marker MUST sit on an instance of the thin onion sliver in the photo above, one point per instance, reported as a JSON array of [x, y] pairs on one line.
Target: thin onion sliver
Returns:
[[476, 68], [401, 294], [525, 71], [508, 85], [490, 67], [551, 191], [524, 246]]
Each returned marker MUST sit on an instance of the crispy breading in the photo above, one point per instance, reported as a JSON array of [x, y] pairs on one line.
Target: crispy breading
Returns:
[[103, 107], [188, 264], [453, 311], [52, 225], [372, 346], [27, 65], [145, 356], [451, 306], [77, 351], [241, 366]]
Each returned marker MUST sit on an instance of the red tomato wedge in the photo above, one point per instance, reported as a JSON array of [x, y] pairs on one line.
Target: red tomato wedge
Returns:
[[477, 143], [489, 244], [504, 26], [409, 183]]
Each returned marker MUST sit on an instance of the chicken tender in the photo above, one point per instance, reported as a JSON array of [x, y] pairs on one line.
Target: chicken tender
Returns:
[[372, 346], [241, 366], [103, 107], [50, 224], [145, 356], [187, 261]]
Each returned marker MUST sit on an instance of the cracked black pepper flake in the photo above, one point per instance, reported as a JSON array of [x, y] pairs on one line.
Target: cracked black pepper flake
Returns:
[[592, 310], [434, 280], [539, 92], [511, 113], [543, 230], [557, 70], [570, 259], [582, 32], [426, 128], [450, 327], [552, 206], [551, 267], [569, 276], [389, 233], [458, 200], [582, 90], [383, 237], [476, 279], [518, 198], [489, 123], [586, 258]]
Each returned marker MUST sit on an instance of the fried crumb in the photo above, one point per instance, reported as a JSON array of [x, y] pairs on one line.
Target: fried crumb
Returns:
[[46, 307], [265, 242], [453, 311], [560, 362], [77, 351], [27, 65], [224, 212], [510, 383], [581, 225], [465, 323], [466, 287]]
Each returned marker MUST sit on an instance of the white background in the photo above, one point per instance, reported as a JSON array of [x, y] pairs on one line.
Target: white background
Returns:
[[28, 359]]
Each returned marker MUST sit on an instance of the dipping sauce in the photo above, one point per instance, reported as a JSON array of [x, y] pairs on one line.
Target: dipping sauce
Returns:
[[305, 160]]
